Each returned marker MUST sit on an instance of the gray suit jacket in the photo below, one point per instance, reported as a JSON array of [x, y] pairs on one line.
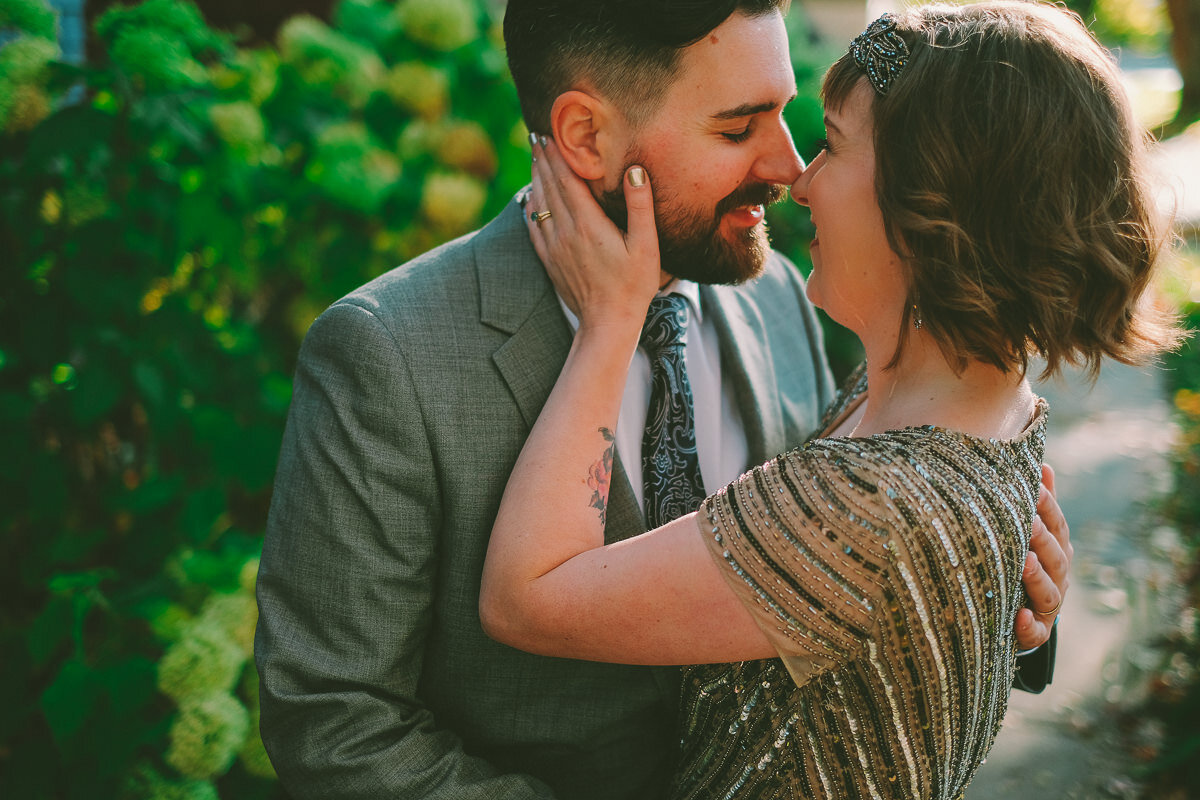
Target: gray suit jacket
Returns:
[[412, 399]]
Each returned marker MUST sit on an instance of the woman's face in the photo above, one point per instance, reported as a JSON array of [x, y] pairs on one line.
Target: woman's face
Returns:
[[857, 278]]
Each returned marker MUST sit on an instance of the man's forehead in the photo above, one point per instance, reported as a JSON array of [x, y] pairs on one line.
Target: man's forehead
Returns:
[[741, 68]]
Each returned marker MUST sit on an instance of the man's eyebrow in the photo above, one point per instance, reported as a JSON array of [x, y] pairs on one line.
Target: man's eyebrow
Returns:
[[749, 109]]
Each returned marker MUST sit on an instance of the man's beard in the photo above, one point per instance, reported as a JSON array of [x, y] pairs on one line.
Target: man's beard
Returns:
[[690, 243]]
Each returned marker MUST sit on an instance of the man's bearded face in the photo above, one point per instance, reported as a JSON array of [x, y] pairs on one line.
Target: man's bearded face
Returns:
[[691, 243]]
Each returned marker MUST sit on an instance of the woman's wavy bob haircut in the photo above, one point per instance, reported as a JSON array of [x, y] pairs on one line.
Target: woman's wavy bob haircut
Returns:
[[1010, 174]]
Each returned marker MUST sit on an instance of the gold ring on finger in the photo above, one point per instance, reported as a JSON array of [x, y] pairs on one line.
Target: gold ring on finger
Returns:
[[1051, 612]]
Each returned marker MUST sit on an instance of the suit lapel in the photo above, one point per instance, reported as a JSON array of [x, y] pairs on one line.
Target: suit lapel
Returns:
[[516, 297], [747, 363], [625, 517]]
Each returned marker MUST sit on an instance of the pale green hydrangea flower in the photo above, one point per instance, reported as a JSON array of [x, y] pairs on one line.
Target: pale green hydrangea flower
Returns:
[[147, 784], [207, 735], [238, 124], [443, 25], [350, 169], [326, 58], [417, 87], [467, 146], [206, 659], [452, 201], [24, 70], [234, 612]]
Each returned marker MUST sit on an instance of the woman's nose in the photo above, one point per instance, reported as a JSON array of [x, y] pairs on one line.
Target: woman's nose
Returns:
[[800, 187]]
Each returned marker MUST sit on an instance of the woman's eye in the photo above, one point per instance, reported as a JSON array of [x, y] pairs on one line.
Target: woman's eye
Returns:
[[822, 144], [738, 136]]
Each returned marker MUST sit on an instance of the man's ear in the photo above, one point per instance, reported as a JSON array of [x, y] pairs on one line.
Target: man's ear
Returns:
[[588, 132]]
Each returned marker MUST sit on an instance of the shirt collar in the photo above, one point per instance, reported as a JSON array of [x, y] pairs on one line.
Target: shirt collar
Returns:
[[688, 290]]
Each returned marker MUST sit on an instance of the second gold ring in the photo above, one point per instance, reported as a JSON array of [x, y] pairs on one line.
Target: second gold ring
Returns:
[[540, 216]]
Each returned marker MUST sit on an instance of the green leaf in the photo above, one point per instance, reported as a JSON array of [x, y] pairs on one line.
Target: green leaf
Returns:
[[277, 393], [200, 513], [149, 380], [152, 495], [130, 683], [50, 630], [74, 582], [73, 132], [96, 393], [69, 700]]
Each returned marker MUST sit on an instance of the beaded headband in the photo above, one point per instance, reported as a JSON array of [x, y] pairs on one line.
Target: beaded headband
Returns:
[[880, 52]]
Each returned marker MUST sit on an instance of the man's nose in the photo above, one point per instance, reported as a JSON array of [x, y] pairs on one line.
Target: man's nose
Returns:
[[779, 162]]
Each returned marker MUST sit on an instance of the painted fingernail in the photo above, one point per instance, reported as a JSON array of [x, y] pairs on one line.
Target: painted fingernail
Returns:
[[637, 177], [542, 139]]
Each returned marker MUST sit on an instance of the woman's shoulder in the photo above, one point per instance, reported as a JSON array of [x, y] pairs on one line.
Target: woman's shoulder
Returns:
[[918, 439], [909, 460]]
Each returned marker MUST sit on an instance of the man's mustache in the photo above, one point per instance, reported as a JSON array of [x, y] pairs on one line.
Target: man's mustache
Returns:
[[752, 194]]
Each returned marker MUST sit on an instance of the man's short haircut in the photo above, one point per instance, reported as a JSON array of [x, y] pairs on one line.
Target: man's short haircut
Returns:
[[1010, 174], [624, 50]]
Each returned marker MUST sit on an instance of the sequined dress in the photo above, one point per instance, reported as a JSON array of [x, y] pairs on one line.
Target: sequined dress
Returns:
[[886, 570]]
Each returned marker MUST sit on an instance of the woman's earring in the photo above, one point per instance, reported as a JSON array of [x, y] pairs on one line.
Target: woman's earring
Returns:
[[916, 317]]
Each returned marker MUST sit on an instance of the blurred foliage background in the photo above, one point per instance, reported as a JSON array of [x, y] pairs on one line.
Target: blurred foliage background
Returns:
[[173, 216], [1170, 767]]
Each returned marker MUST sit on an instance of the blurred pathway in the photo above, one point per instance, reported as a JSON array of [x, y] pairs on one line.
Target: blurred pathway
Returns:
[[1108, 445]]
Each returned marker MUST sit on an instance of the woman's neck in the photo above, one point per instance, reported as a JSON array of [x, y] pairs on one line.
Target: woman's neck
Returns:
[[923, 389]]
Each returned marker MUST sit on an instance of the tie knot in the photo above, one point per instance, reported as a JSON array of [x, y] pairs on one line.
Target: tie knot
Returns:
[[666, 323]]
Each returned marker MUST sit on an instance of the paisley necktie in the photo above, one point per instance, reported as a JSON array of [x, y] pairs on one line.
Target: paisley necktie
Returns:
[[670, 466]]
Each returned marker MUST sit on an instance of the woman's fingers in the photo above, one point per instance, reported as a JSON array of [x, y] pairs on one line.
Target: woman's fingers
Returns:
[[597, 269], [642, 234], [1033, 628], [546, 176], [1052, 515], [1032, 631], [567, 187], [1047, 567], [536, 205], [1051, 542]]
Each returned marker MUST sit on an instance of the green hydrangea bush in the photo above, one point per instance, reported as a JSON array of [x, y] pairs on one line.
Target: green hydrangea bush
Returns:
[[173, 216]]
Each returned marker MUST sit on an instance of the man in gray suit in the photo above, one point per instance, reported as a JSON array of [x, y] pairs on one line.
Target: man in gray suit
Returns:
[[414, 394]]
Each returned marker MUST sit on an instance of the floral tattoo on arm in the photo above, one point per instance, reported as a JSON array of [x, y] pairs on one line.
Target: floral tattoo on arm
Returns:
[[600, 475]]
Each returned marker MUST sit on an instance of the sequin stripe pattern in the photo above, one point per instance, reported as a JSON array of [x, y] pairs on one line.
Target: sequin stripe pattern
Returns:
[[671, 475], [779, 535], [851, 389], [733, 737], [909, 548]]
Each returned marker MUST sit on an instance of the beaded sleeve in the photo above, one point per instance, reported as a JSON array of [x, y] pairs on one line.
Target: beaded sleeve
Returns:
[[826, 543]]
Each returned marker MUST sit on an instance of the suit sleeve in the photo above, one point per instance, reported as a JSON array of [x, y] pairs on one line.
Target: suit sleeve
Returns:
[[1035, 670], [346, 584]]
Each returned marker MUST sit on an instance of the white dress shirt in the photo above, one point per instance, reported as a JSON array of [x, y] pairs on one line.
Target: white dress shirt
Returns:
[[720, 435]]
